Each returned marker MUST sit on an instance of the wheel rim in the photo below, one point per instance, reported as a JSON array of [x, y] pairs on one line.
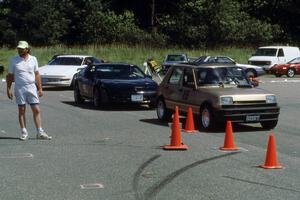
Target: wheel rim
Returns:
[[290, 73], [205, 118], [160, 109]]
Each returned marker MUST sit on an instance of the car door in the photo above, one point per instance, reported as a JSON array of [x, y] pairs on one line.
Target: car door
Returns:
[[172, 90], [188, 90], [281, 57], [86, 82]]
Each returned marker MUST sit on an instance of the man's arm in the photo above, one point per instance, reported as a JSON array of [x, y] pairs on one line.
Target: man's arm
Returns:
[[9, 81], [38, 83]]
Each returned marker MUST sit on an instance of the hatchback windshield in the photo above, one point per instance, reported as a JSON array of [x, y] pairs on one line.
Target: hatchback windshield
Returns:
[[221, 75], [66, 61], [265, 52], [119, 72]]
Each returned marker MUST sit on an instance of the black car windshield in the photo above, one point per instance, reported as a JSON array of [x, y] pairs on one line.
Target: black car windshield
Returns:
[[66, 61], [175, 58], [221, 75], [119, 72], [265, 52]]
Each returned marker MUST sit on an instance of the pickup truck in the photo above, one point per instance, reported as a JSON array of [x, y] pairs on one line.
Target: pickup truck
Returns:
[[269, 56]]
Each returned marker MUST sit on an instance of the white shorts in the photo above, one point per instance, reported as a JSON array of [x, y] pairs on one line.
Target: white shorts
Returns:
[[26, 94]]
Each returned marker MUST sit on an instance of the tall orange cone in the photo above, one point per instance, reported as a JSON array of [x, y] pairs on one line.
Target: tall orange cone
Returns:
[[189, 124], [271, 156], [229, 139], [176, 143]]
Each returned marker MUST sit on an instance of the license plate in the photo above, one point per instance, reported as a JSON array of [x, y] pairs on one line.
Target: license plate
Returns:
[[252, 118], [137, 98]]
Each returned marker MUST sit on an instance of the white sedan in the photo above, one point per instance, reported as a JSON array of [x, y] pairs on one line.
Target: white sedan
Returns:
[[61, 69]]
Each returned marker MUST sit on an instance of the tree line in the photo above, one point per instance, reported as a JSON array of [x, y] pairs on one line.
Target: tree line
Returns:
[[159, 23]]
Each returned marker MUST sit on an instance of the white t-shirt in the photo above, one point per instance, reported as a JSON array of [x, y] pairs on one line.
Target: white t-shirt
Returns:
[[24, 71]]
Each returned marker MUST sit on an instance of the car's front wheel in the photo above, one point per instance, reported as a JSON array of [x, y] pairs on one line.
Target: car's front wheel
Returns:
[[207, 118], [268, 125], [163, 113], [77, 97], [290, 73], [100, 97]]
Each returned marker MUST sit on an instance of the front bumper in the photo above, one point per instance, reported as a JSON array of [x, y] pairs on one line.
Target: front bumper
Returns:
[[142, 97], [60, 82], [248, 114]]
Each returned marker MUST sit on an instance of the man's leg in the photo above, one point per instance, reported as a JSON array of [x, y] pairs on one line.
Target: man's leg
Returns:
[[22, 121], [36, 111], [22, 118]]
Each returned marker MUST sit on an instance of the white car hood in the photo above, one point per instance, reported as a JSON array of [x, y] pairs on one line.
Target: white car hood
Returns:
[[248, 66], [59, 70]]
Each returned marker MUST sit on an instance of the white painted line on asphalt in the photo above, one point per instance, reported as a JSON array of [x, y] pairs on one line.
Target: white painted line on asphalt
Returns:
[[17, 155], [281, 81], [90, 186], [3, 131]]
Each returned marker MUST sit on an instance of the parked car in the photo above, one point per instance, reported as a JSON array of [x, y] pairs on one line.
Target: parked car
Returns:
[[216, 93], [290, 69], [269, 56], [251, 70], [61, 69], [172, 59], [114, 83]]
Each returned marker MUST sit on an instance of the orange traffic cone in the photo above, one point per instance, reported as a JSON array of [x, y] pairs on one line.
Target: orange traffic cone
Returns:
[[189, 124], [271, 156], [176, 143], [229, 139]]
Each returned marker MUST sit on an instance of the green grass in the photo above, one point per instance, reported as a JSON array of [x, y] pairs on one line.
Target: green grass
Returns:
[[122, 53]]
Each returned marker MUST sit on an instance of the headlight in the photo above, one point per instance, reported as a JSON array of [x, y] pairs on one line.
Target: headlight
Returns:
[[270, 99], [226, 101]]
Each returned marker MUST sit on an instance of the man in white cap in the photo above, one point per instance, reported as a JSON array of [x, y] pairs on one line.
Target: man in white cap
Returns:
[[23, 70]]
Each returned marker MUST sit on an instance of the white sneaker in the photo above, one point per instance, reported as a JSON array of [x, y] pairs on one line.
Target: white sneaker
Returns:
[[43, 136], [24, 136]]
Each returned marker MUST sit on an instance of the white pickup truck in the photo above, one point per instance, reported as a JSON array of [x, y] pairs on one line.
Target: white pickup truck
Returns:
[[268, 56]]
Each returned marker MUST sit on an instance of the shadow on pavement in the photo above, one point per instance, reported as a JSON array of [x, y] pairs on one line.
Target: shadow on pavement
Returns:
[[9, 138], [49, 88], [120, 107], [221, 129]]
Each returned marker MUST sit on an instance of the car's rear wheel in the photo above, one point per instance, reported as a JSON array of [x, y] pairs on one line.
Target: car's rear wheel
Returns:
[[100, 97], [163, 113], [290, 73], [207, 118], [268, 125], [77, 97]]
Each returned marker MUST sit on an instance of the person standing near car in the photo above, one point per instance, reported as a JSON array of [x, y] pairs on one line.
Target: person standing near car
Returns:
[[23, 70]]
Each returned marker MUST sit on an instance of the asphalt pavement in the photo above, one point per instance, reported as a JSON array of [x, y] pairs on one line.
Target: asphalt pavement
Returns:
[[116, 154]]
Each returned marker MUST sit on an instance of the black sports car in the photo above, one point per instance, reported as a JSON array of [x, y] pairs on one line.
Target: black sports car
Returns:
[[119, 83]]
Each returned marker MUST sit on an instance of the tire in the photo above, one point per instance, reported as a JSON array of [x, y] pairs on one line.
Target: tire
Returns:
[[250, 72], [163, 113], [207, 119], [268, 125], [77, 97], [290, 73], [100, 98]]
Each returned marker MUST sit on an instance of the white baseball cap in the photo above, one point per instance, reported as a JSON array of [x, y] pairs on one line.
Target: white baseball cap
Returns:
[[23, 45]]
